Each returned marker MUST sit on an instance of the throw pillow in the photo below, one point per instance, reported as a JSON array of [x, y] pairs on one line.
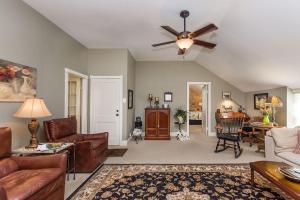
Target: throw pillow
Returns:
[[286, 139]]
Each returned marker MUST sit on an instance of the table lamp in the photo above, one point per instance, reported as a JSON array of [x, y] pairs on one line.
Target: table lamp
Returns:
[[274, 102], [33, 108]]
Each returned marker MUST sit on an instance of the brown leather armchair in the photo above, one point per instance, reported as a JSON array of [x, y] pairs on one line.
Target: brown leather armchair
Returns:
[[30, 178], [91, 149]]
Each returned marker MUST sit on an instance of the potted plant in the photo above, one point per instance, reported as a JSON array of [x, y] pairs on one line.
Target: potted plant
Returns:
[[180, 115]]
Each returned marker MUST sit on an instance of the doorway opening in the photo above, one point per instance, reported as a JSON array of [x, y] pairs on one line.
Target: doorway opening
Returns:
[[198, 107], [76, 98]]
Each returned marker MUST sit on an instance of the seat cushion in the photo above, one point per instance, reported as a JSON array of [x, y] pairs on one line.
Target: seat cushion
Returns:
[[24, 183], [290, 156], [231, 137]]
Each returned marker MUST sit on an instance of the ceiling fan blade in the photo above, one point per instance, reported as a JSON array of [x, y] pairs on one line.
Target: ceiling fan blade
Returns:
[[181, 51], [171, 30], [163, 43], [201, 31], [204, 44]]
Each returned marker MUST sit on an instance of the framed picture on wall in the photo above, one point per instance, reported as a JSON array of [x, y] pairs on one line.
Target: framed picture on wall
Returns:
[[168, 97], [130, 99], [260, 100], [17, 82], [226, 95]]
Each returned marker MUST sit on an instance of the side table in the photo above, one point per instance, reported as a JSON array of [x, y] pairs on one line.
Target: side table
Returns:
[[69, 148]]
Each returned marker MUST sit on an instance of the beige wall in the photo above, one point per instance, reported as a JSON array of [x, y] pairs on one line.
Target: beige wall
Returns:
[[281, 116], [159, 77], [28, 38]]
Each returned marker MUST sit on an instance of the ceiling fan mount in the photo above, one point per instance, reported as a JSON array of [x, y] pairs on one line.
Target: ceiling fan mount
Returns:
[[184, 14], [186, 39]]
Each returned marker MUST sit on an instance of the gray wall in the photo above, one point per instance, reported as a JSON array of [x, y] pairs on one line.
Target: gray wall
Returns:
[[281, 116], [130, 86], [159, 77], [28, 38]]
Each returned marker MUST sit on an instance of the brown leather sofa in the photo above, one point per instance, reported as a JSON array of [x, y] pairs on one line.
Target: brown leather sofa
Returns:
[[91, 149], [30, 178]]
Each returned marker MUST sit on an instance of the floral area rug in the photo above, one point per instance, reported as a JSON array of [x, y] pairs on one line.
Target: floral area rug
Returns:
[[176, 182]]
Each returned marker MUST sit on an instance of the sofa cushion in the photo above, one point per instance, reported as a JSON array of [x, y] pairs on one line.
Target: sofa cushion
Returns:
[[285, 139], [7, 166], [24, 183], [290, 156]]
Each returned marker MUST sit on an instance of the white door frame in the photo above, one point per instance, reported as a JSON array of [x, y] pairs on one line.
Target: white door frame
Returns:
[[121, 102], [84, 96], [208, 117]]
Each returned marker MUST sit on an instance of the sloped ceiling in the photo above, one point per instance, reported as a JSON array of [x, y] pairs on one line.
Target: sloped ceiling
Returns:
[[258, 40]]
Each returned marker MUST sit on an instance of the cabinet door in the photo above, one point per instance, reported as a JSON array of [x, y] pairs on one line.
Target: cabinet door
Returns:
[[163, 123], [151, 123]]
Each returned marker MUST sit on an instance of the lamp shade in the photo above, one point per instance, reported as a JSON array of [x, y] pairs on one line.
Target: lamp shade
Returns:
[[274, 101], [184, 43], [33, 108]]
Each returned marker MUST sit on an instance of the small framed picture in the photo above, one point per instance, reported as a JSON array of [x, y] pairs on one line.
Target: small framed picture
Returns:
[[226, 95], [168, 97], [260, 100], [130, 99]]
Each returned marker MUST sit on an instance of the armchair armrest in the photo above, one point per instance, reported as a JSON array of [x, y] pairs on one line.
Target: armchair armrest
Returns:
[[3, 195], [93, 136], [40, 162]]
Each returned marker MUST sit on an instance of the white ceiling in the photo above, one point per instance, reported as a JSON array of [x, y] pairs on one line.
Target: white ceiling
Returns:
[[258, 40]]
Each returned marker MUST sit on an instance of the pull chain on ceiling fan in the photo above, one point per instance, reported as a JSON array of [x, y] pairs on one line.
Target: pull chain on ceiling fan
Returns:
[[186, 39]]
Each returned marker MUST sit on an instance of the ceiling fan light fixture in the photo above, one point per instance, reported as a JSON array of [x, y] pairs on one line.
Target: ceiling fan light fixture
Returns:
[[184, 43]]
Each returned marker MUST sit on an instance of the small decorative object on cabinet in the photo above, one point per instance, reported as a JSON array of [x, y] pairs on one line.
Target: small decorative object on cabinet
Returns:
[[150, 99], [168, 96], [157, 124], [156, 102]]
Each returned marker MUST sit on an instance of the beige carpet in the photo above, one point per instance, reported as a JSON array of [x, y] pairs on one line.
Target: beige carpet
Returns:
[[200, 149]]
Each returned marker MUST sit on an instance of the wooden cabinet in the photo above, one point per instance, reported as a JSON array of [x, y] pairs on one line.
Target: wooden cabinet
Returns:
[[157, 124]]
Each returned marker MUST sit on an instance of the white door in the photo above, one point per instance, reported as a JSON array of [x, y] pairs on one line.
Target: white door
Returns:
[[105, 115], [205, 109]]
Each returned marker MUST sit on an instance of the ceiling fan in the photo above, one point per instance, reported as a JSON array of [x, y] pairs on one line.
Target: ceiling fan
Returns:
[[186, 39]]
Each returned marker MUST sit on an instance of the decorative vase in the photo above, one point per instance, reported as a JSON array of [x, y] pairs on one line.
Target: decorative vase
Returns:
[[25, 88], [266, 120]]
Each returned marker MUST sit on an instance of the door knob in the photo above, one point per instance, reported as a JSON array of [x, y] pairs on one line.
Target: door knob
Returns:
[[117, 110], [117, 115]]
